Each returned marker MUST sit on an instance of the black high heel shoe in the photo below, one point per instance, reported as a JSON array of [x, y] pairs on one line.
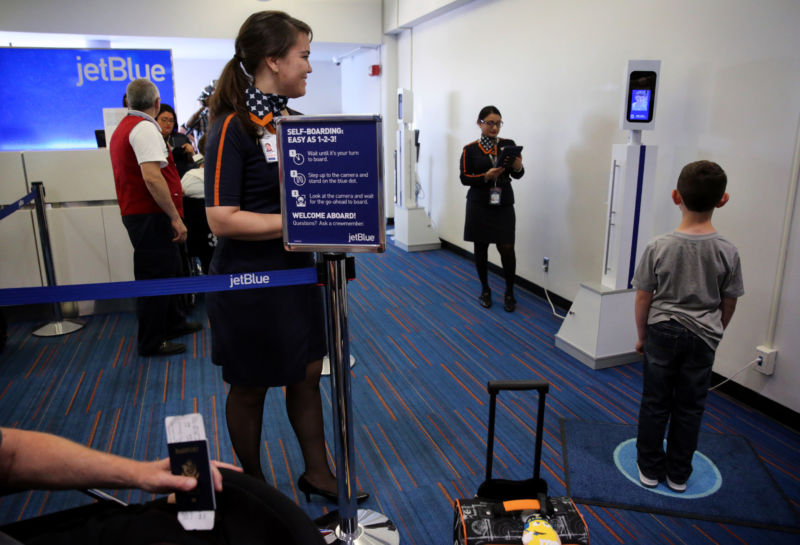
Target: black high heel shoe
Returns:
[[307, 488]]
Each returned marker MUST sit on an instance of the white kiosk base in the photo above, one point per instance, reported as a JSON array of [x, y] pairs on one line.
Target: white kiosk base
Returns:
[[599, 330], [413, 231]]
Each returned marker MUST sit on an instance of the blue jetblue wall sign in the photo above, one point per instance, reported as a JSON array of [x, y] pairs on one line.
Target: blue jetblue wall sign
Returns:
[[75, 84], [331, 183]]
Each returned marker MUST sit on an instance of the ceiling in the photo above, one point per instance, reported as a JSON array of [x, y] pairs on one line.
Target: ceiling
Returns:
[[184, 48]]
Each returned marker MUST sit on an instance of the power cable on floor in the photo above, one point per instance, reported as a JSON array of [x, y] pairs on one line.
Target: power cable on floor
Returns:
[[735, 374], [552, 307]]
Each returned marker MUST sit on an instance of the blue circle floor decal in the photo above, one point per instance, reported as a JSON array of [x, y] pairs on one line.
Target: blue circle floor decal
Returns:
[[705, 480]]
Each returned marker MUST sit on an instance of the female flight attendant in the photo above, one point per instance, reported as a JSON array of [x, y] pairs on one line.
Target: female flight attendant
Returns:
[[272, 336], [490, 217]]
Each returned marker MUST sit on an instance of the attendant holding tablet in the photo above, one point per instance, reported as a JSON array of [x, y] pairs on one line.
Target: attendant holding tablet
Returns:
[[487, 167]]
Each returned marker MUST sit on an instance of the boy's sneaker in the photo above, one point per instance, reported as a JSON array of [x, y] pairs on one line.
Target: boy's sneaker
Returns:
[[647, 481], [676, 487]]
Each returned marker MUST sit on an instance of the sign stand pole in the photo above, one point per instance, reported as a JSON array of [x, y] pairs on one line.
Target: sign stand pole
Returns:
[[331, 203], [355, 526]]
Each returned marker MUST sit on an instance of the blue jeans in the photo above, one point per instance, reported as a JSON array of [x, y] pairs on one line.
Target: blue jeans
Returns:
[[677, 375]]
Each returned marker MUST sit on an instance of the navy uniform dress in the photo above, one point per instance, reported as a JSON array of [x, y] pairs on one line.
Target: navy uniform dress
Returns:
[[267, 336], [484, 222]]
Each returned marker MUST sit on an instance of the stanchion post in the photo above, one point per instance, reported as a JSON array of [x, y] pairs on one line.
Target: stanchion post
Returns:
[[58, 326], [44, 241], [346, 145], [339, 356]]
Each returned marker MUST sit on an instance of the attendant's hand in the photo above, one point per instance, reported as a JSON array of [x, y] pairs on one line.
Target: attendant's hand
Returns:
[[517, 164], [188, 149], [179, 230], [493, 173], [640, 346]]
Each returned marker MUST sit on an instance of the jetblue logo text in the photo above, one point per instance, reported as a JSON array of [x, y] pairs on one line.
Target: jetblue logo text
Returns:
[[118, 69], [360, 237], [249, 279]]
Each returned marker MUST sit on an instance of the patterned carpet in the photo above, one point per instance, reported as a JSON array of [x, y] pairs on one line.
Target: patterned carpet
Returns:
[[424, 351]]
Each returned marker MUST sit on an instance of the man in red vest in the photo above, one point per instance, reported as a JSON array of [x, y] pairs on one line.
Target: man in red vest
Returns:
[[151, 201]]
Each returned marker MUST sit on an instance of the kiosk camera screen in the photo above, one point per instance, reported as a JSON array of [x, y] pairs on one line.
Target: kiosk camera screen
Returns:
[[641, 94]]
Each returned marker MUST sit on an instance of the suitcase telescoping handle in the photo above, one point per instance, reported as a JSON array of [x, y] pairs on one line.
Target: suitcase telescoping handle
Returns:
[[494, 387]]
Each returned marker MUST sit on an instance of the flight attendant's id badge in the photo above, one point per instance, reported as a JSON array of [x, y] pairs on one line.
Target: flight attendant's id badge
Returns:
[[494, 196], [269, 145]]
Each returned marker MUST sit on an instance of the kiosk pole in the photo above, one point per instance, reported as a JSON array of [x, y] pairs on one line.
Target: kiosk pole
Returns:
[[59, 326]]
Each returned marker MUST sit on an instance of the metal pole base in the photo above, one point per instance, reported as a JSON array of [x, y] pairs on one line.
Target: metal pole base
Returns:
[[59, 327], [374, 528]]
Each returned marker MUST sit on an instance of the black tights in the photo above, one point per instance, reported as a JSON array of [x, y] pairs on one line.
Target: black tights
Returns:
[[507, 257], [244, 411]]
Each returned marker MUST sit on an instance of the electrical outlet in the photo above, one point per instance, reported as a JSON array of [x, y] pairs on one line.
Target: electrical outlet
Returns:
[[546, 264], [767, 356]]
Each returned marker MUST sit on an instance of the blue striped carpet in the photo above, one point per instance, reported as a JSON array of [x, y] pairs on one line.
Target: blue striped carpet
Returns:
[[425, 349]]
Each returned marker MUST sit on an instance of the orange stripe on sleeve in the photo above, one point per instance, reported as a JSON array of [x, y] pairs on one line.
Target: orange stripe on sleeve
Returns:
[[464, 166], [219, 158]]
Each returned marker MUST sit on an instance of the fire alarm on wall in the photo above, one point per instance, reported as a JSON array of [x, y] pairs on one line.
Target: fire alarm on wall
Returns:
[[375, 70]]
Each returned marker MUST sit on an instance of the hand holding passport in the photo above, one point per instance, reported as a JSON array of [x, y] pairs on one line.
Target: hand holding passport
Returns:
[[188, 456]]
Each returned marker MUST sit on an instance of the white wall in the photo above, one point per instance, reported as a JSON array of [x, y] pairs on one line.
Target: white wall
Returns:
[[191, 76], [323, 90], [361, 93], [728, 93]]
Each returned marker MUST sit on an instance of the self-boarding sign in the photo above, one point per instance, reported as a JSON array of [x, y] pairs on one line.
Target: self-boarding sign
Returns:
[[331, 183]]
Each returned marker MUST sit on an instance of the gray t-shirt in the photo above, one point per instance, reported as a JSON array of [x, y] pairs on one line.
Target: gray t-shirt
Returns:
[[689, 276]]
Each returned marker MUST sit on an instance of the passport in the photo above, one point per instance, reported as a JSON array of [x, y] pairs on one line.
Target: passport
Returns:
[[190, 458]]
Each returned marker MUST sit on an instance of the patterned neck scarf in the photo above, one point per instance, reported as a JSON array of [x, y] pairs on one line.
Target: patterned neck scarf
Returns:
[[488, 144], [261, 104]]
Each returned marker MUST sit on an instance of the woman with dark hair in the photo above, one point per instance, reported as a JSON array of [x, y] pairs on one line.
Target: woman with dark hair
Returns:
[[179, 144], [490, 217], [273, 336]]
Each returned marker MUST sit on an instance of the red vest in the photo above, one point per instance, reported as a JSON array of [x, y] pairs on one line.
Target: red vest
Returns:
[[132, 193]]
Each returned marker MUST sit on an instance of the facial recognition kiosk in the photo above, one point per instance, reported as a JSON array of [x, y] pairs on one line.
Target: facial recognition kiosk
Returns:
[[599, 329], [412, 226]]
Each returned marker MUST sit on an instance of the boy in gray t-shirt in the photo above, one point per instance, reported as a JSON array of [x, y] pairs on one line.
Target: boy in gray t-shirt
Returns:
[[688, 282]]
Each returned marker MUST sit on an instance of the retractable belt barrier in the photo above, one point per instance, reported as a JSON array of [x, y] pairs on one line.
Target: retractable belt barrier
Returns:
[[13, 207], [165, 286], [145, 288]]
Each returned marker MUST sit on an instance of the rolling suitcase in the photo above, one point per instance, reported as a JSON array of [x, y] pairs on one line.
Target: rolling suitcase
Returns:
[[508, 512]]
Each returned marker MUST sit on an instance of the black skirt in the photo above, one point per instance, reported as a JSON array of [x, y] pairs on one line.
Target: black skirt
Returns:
[[489, 224], [266, 336]]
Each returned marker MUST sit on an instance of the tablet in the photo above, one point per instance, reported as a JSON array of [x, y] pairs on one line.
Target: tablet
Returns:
[[508, 151]]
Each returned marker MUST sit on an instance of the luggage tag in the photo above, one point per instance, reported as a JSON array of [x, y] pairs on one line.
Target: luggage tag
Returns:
[[188, 455], [494, 195], [269, 145]]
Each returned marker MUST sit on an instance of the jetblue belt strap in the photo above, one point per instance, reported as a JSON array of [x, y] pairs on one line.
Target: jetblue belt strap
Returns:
[[16, 205], [164, 286]]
